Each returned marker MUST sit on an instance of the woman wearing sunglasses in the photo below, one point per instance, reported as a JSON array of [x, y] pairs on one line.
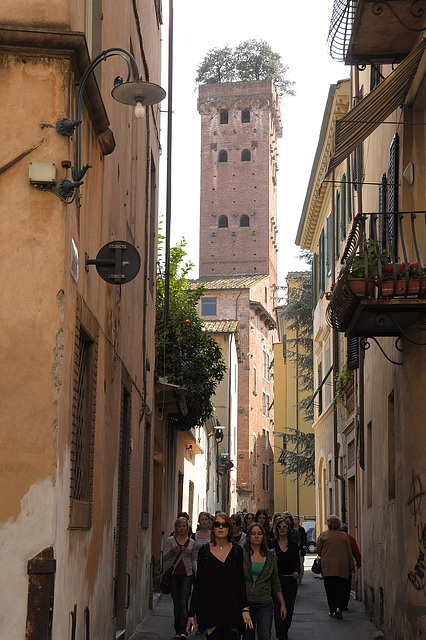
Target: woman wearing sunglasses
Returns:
[[287, 552], [219, 596], [261, 575]]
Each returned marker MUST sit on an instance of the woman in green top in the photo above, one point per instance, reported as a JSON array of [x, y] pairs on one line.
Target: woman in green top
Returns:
[[261, 576]]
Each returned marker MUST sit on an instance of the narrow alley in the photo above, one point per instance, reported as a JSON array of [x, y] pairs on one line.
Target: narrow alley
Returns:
[[310, 616]]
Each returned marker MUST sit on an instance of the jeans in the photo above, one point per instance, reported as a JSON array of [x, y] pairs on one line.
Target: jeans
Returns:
[[181, 590], [289, 588], [336, 589], [261, 614]]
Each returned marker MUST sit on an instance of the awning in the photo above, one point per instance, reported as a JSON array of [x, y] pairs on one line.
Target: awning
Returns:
[[367, 115]]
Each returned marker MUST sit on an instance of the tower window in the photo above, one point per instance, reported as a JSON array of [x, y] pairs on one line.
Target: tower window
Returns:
[[245, 115], [224, 116], [223, 156], [223, 222], [208, 306], [246, 155], [244, 221]]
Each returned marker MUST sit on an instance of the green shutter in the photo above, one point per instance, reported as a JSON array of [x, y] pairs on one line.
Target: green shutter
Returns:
[[314, 281], [321, 265], [336, 222], [349, 189], [343, 208], [329, 245], [353, 353]]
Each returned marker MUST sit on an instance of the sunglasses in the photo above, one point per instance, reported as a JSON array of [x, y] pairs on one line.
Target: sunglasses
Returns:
[[282, 526], [217, 525]]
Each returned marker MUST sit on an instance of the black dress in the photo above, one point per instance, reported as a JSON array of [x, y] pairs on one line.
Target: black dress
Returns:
[[288, 563], [219, 593]]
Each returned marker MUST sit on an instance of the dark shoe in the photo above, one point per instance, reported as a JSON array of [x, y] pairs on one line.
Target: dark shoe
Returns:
[[339, 614], [332, 615]]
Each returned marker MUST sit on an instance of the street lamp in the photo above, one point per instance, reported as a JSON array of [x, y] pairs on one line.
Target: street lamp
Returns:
[[137, 93]]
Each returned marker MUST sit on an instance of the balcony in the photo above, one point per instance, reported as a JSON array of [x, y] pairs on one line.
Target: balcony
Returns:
[[375, 32], [381, 288]]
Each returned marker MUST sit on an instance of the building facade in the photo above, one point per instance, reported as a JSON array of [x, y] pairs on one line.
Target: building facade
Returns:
[[290, 491], [364, 217], [77, 352]]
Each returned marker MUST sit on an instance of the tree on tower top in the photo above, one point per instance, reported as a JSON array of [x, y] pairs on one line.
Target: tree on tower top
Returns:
[[251, 60]]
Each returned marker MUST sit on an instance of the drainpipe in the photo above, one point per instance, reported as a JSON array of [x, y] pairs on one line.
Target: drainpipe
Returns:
[[229, 414], [297, 421], [335, 340]]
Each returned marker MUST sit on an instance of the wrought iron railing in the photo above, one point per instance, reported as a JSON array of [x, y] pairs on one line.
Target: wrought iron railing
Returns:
[[384, 258], [340, 30]]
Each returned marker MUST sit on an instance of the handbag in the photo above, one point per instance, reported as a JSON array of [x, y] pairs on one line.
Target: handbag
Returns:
[[316, 567], [166, 579]]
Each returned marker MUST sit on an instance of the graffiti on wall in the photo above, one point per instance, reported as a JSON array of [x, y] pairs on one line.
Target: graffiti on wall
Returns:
[[417, 577]]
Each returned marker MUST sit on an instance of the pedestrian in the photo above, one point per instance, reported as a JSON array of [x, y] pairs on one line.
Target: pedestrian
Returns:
[[219, 599], [238, 534], [337, 564], [261, 575], [262, 518], [202, 535], [303, 544], [275, 517], [180, 548], [288, 560], [248, 519], [357, 557]]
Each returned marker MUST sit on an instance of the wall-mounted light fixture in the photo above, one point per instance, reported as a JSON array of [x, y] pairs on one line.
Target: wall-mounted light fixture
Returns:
[[137, 93]]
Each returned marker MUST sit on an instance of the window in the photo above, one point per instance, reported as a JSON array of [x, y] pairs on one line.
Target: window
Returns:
[[321, 263], [265, 476], [83, 418], [329, 246], [265, 363], [343, 202], [245, 115], [254, 379], [223, 222], [224, 116], [265, 439], [254, 447], [265, 404], [223, 156], [375, 76], [208, 306], [319, 380], [327, 367], [245, 155], [244, 221]]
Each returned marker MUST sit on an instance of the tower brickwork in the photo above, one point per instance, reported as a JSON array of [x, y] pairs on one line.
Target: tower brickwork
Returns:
[[240, 125]]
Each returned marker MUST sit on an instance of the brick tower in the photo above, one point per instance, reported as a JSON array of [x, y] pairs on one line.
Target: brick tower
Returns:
[[240, 124]]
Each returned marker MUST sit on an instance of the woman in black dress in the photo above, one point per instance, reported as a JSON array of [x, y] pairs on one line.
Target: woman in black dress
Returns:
[[219, 598], [287, 552]]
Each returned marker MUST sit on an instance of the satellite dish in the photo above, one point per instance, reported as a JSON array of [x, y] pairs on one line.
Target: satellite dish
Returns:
[[118, 262]]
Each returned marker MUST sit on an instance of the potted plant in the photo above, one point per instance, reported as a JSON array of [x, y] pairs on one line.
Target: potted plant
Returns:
[[417, 279], [362, 270]]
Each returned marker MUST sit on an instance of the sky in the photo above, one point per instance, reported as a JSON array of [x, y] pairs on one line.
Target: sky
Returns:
[[298, 32]]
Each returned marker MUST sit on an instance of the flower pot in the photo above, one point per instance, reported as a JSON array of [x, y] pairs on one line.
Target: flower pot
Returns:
[[388, 288], [356, 286], [414, 285]]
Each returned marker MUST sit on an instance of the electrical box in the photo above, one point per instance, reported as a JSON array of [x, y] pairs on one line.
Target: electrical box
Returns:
[[42, 173]]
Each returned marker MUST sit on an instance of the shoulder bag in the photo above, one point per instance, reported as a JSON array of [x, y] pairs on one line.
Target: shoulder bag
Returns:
[[166, 579]]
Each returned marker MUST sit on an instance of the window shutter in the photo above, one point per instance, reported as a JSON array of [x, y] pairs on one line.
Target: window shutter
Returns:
[[343, 208], [336, 223], [314, 281], [348, 189], [320, 391], [353, 353], [382, 209], [329, 240], [393, 196], [321, 264]]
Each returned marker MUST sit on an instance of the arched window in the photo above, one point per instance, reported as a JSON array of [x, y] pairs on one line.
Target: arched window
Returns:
[[245, 155], [223, 222], [223, 156], [244, 221], [224, 116], [245, 115]]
